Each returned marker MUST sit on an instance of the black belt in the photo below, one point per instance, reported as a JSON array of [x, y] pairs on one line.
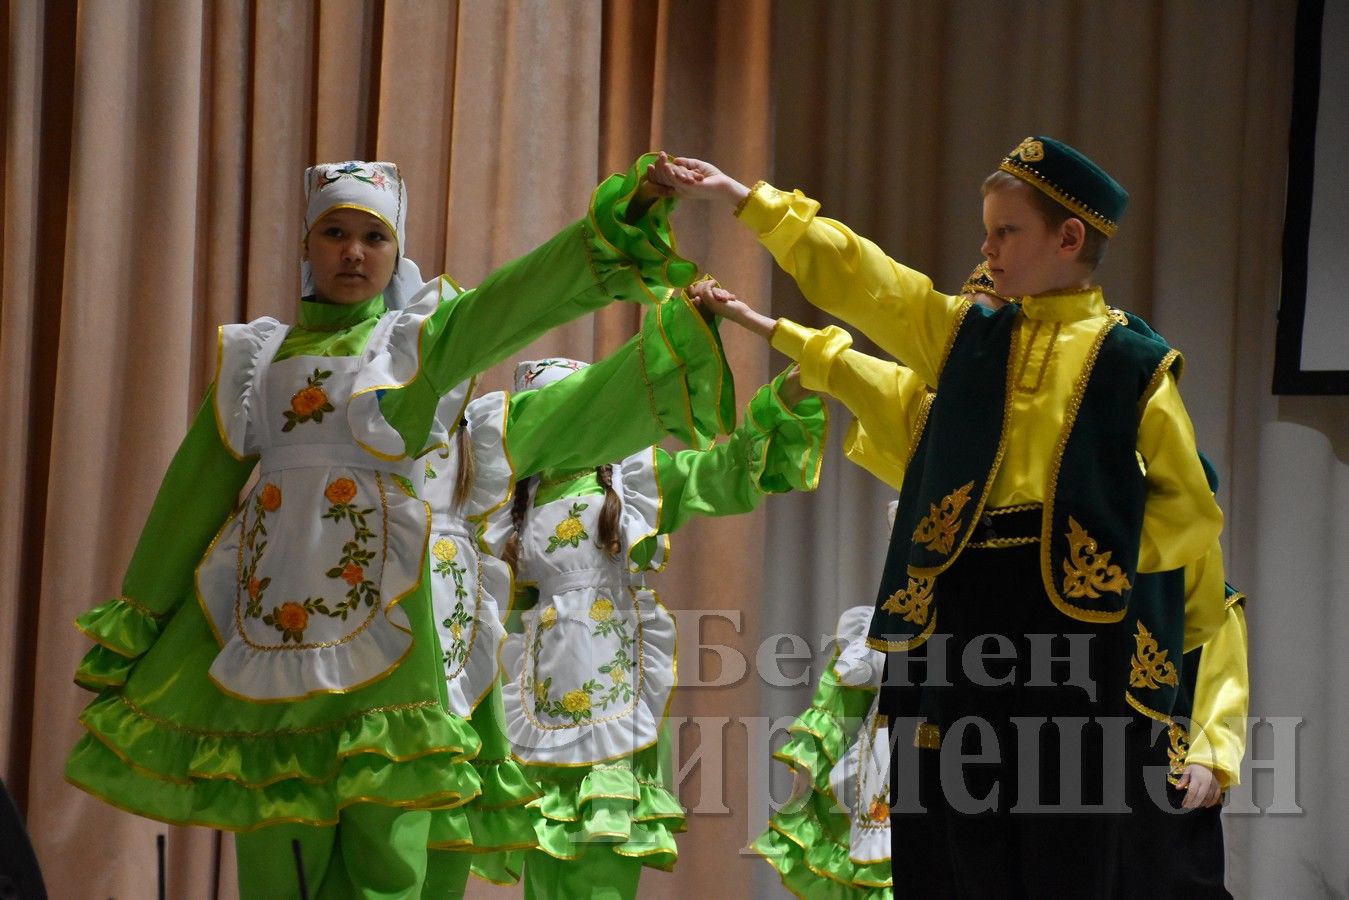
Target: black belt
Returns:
[[1008, 526]]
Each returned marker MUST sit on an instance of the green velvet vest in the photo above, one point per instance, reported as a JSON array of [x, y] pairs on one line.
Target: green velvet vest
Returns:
[[1093, 511]]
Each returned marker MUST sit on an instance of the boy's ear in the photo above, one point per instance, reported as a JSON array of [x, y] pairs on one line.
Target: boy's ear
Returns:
[[1072, 234]]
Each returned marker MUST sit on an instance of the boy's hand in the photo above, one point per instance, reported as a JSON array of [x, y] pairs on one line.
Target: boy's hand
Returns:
[[693, 179], [1202, 788]]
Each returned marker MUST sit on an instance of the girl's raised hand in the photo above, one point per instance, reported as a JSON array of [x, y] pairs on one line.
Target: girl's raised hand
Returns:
[[710, 296], [694, 179]]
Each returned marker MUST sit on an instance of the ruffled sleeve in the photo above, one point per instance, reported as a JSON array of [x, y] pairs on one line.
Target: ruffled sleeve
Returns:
[[792, 438], [197, 494], [240, 350], [639, 521], [599, 258], [776, 449], [669, 379], [493, 477]]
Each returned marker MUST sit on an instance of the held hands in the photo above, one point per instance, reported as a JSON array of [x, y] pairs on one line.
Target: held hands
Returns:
[[1202, 788], [712, 297], [791, 392], [693, 179]]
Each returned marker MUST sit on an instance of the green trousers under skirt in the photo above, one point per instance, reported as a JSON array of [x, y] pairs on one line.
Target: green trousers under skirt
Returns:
[[372, 853], [597, 873]]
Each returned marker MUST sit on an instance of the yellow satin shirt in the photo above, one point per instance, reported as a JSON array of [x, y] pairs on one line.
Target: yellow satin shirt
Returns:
[[850, 277]]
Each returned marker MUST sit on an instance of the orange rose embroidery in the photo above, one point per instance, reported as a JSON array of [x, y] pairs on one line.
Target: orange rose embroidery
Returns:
[[353, 574], [306, 401], [290, 618], [340, 491], [254, 588], [271, 497], [878, 811], [309, 403]]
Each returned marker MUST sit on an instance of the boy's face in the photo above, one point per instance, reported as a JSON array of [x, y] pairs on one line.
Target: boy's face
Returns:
[[352, 255], [1024, 254]]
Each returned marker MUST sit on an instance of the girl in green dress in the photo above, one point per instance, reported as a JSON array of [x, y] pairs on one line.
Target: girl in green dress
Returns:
[[271, 666]]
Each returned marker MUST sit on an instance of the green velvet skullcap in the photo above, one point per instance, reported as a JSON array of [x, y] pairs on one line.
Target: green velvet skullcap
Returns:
[[1071, 180]]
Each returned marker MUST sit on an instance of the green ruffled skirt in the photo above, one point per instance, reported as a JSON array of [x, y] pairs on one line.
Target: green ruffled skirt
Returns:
[[808, 841], [164, 742], [624, 805]]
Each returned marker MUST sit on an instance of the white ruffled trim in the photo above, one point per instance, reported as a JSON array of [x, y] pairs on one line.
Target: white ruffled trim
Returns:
[[273, 674], [237, 388], [493, 474], [868, 841], [857, 664], [488, 583], [392, 359], [638, 488], [438, 473], [609, 738]]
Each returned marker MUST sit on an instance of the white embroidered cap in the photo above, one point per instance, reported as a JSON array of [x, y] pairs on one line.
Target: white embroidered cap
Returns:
[[539, 372], [376, 188]]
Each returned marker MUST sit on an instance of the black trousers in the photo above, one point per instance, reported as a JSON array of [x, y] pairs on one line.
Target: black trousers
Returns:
[[1167, 852], [1034, 702]]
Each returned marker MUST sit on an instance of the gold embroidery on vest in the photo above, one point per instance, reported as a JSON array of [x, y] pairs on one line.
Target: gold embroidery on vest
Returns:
[[1118, 315], [912, 602], [1089, 571], [1149, 667], [1178, 751], [939, 527], [927, 736]]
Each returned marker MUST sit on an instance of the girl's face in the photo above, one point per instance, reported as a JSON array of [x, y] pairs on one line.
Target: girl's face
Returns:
[[352, 255]]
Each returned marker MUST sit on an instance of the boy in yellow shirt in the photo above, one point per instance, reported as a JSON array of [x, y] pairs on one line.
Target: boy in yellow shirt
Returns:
[[1024, 519]]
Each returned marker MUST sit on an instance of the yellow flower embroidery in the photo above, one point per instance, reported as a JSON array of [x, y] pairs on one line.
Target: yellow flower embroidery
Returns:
[[1149, 667], [540, 692], [456, 630], [570, 531], [576, 701], [618, 674], [602, 610], [444, 550], [938, 529], [1088, 572], [549, 617], [912, 602]]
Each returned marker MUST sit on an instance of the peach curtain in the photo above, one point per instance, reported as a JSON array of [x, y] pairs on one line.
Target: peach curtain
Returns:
[[151, 191]]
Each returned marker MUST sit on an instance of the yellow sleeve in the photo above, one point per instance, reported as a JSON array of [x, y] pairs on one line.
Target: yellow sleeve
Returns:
[[1221, 700], [862, 450], [848, 276], [885, 397], [1205, 597], [1181, 520]]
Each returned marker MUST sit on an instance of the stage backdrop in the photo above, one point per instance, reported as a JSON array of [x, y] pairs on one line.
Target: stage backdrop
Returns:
[[151, 190]]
